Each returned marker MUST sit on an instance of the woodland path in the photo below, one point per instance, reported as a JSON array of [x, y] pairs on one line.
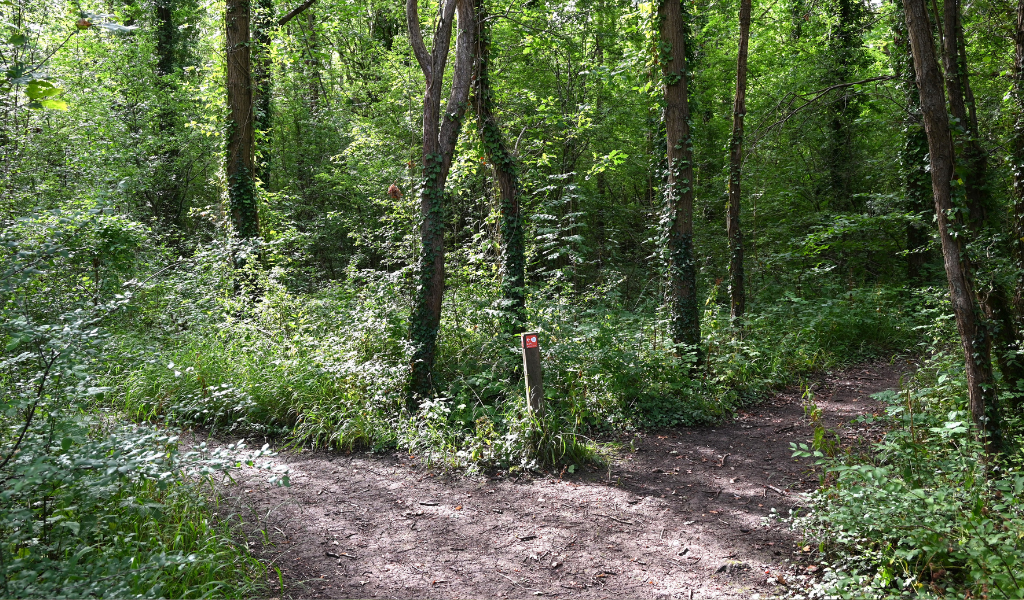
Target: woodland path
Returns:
[[681, 517]]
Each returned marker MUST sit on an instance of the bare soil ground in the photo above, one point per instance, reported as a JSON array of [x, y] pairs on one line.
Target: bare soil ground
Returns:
[[681, 516]]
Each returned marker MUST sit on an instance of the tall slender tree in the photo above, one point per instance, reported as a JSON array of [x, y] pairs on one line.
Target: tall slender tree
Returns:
[[913, 156], [263, 78], [844, 55], [941, 155], [506, 172], [440, 133], [1011, 354], [263, 85], [737, 293], [972, 159], [167, 198], [673, 30], [240, 168], [1017, 152], [1000, 327]]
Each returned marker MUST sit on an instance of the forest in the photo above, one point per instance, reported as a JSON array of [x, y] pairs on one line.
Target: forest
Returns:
[[264, 254]]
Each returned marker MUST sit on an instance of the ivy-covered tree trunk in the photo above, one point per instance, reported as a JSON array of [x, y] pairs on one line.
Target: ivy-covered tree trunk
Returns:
[[913, 156], [737, 293], [506, 173], [972, 169], [240, 168], [940, 149], [439, 137], [263, 86], [1017, 168], [844, 53], [673, 29], [972, 160], [166, 200], [1017, 152]]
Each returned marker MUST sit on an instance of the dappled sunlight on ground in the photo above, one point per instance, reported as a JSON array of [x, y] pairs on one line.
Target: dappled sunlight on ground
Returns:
[[687, 514]]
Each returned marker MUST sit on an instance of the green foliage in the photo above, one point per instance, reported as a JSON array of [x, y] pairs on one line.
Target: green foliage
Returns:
[[270, 368], [927, 513], [119, 299], [88, 508]]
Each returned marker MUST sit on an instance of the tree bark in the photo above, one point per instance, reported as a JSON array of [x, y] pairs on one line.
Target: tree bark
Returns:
[[240, 171], [1017, 152], [940, 147], [972, 163], [737, 293], [913, 156], [506, 173], [1017, 168], [167, 198], [843, 55], [972, 168], [439, 137], [263, 86], [679, 184]]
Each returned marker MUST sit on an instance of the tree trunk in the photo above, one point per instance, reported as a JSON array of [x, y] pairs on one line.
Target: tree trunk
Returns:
[[737, 293], [679, 185], [166, 36], [843, 54], [914, 155], [1017, 167], [241, 189], [263, 86], [972, 163], [439, 138], [506, 168], [167, 198], [940, 148], [798, 12], [1017, 152], [972, 168]]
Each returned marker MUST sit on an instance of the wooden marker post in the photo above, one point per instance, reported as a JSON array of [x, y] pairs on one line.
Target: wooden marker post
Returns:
[[534, 375]]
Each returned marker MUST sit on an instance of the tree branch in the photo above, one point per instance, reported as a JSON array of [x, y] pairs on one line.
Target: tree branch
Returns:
[[295, 12], [817, 96], [443, 36], [463, 74], [31, 410], [412, 17]]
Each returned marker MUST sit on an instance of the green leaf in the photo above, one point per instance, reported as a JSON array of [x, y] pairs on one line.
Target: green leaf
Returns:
[[73, 526], [53, 104], [37, 89], [18, 39]]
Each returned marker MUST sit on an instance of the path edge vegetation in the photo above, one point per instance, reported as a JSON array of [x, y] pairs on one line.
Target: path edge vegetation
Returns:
[[126, 297]]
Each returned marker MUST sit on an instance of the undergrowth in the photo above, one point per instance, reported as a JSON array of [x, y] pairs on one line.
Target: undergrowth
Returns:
[[328, 369], [90, 508], [925, 514]]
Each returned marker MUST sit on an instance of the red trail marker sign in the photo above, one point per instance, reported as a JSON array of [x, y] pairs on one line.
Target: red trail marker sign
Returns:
[[533, 373]]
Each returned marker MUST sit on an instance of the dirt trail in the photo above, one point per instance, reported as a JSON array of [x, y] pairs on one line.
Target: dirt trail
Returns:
[[681, 517]]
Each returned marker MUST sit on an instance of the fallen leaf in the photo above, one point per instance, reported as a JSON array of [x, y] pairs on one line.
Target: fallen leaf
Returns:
[[459, 507]]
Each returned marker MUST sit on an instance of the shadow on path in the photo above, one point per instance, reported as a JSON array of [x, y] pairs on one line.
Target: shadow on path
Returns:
[[684, 516]]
